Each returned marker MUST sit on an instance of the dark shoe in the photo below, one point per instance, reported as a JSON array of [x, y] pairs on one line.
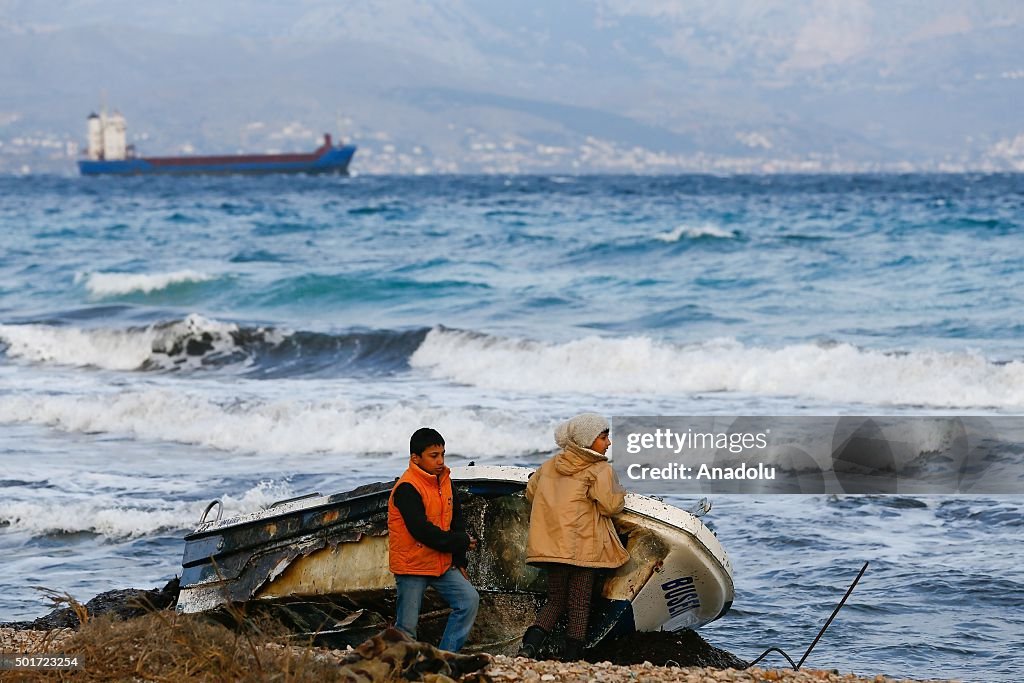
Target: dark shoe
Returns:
[[573, 650], [532, 640]]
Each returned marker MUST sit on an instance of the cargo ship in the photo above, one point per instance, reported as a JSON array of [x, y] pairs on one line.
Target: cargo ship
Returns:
[[108, 153]]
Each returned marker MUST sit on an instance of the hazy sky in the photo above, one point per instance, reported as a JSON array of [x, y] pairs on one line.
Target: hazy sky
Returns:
[[857, 79]]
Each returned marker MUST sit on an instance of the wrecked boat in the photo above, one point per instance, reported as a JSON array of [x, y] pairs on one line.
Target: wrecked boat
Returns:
[[320, 564]]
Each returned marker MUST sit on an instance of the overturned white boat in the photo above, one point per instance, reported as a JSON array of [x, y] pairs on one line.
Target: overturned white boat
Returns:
[[321, 562]]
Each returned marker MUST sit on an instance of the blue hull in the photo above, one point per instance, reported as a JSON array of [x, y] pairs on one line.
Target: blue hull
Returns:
[[334, 160]]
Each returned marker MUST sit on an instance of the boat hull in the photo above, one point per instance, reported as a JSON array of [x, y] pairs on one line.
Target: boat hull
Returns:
[[331, 552], [333, 160]]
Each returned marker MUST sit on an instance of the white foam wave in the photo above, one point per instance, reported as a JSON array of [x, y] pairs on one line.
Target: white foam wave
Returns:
[[110, 516], [640, 365], [695, 232], [116, 521], [285, 426], [111, 349], [106, 348], [114, 284], [217, 339]]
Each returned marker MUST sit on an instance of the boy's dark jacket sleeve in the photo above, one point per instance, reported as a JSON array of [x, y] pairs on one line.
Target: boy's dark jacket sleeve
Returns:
[[456, 541]]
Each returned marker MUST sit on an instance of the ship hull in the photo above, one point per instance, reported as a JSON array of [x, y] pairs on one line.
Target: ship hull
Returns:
[[334, 160]]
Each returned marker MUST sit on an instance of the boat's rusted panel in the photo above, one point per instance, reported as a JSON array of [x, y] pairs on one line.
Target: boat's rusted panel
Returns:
[[339, 569], [364, 513]]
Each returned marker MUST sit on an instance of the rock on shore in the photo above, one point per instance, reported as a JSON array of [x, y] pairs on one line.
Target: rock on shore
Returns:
[[123, 603]]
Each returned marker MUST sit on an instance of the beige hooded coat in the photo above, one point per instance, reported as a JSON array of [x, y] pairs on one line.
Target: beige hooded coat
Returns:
[[574, 495]]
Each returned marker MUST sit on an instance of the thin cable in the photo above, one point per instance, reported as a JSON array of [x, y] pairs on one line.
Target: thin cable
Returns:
[[834, 613], [765, 654], [796, 667]]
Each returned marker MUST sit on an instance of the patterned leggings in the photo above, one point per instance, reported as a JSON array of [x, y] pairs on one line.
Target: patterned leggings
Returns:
[[569, 588]]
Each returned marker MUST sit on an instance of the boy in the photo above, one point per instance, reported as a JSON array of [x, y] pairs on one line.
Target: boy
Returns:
[[428, 541]]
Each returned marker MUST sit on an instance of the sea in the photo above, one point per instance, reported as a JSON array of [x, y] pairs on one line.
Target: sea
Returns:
[[169, 341]]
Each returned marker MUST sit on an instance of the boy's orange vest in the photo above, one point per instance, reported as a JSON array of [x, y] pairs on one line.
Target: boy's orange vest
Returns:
[[406, 554]]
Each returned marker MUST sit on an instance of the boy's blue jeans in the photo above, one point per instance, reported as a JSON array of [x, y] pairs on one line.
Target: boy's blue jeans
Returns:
[[457, 592]]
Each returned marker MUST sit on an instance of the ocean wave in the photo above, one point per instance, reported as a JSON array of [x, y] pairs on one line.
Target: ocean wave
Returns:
[[101, 348], [641, 365], [696, 232], [116, 284], [111, 517], [196, 342], [634, 365], [159, 345], [331, 289], [284, 426]]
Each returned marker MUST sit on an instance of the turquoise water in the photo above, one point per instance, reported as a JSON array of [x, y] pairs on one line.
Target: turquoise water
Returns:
[[166, 341]]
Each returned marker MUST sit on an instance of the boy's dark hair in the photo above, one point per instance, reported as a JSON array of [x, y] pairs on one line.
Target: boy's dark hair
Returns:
[[423, 438]]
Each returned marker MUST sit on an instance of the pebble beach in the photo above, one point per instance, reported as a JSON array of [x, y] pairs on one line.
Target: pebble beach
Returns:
[[518, 669], [500, 669]]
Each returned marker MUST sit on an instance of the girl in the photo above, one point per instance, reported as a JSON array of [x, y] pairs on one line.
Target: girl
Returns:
[[574, 496]]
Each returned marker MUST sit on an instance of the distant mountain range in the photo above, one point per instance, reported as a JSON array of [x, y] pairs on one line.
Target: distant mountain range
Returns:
[[601, 86]]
